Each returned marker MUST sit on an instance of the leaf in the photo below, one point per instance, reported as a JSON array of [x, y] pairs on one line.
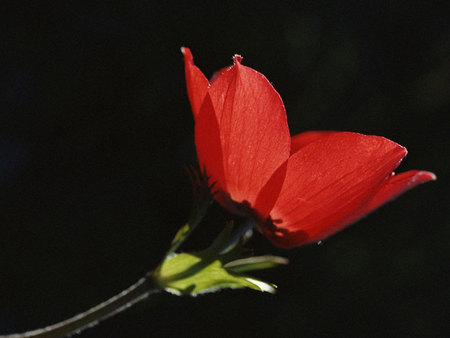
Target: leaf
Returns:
[[197, 273], [255, 263]]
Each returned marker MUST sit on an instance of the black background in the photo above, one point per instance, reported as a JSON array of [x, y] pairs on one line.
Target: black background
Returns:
[[95, 128]]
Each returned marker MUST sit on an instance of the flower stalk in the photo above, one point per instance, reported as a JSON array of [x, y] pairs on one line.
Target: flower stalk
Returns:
[[141, 290]]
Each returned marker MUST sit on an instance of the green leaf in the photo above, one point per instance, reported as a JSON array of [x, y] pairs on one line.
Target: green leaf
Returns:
[[200, 273], [220, 266], [255, 263]]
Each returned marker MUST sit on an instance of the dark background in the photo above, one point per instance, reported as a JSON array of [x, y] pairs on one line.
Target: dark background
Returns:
[[95, 127]]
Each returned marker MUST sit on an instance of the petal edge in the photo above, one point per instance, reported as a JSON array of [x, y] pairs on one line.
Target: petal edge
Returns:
[[196, 82]]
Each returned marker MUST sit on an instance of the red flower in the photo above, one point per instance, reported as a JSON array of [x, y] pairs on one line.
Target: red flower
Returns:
[[300, 189]]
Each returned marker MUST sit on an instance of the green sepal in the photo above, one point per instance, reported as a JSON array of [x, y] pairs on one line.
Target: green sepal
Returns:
[[195, 273], [214, 268], [255, 263]]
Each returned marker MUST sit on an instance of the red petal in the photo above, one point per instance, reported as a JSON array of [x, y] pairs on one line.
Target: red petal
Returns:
[[254, 133], [393, 187], [197, 84], [328, 180], [207, 142], [301, 140]]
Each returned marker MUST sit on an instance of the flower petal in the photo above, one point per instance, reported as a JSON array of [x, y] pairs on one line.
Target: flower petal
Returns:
[[197, 84], [327, 183], [301, 140], [254, 133], [392, 187], [209, 150]]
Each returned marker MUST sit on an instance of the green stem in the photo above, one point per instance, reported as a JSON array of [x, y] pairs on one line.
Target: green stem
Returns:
[[135, 293], [188, 228], [203, 197]]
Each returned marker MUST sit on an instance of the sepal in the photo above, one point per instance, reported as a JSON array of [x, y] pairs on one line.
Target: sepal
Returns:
[[214, 269]]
